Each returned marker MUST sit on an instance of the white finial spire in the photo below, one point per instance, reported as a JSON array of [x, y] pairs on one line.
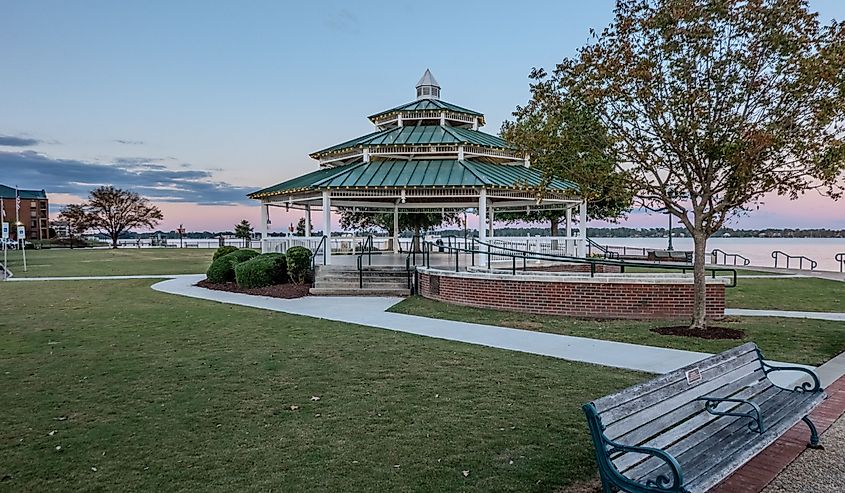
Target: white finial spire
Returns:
[[427, 87]]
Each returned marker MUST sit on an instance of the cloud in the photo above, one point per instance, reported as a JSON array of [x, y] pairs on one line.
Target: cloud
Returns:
[[31, 169], [8, 140], [343, 21], [130, 142]]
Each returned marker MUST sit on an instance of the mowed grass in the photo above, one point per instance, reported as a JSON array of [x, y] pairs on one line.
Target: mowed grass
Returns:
[[794, 340], [792, 293], [110, 386], [109, 262]]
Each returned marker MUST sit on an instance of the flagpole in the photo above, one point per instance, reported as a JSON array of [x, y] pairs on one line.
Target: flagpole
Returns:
[[21, 241], [3, 222]]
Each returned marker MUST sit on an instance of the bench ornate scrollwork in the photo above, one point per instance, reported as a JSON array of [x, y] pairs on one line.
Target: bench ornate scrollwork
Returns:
[[711, 405]]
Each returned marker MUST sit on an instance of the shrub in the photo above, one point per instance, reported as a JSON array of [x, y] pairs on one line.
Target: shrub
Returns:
[[223, 269], [260, 271], [299, 263], [224, 250]]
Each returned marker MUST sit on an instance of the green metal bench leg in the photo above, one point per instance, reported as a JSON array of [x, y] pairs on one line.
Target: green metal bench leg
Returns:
[[814, 434]]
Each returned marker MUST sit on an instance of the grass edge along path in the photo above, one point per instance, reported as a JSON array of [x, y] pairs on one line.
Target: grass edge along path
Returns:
[[804, 341], [109, 385]]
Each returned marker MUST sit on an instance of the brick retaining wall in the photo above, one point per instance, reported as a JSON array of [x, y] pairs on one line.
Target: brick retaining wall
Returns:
[[575, 297]]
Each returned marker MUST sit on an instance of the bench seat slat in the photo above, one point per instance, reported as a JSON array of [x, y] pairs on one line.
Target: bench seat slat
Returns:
[[728, 464], [778, 411], [680, 448], [683, 427]]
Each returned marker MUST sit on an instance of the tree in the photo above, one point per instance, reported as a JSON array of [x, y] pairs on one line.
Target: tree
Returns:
[[300, 227], [113, 211], [566, 140], [415, 221], [243, 230], [77, 220], [713, 104]]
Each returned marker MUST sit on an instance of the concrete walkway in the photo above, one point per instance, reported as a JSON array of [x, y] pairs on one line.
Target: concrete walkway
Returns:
[[102, 278], [744, 312], [371, 312]]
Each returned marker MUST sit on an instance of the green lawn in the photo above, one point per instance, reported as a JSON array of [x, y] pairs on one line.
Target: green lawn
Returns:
[[802, 294], [159, 392], [795, 340], [108, 262]]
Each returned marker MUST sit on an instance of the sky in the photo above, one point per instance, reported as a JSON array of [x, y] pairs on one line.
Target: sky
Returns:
[[195, 104]]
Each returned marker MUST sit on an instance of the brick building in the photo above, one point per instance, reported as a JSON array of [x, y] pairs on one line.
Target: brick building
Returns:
[[33, 213]]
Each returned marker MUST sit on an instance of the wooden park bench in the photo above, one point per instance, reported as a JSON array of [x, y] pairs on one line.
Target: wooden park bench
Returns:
[[687, 430], [669, 256]]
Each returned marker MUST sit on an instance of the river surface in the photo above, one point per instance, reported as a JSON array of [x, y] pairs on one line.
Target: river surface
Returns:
[[758, 250]]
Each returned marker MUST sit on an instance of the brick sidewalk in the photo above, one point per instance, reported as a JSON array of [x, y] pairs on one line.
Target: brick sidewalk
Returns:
[[757, 473]]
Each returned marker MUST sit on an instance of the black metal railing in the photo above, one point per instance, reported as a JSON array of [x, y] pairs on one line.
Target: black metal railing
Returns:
[[366, 249], [800, 258], [840, 257], [606, 252], [324, 243], [735, 257], [482, 249]]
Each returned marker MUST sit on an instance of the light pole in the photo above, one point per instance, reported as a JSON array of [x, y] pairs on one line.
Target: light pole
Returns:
[[670, 231], [181, 231]]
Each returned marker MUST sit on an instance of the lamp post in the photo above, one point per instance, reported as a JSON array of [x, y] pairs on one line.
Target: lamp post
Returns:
[[670, 232], [181, 232]]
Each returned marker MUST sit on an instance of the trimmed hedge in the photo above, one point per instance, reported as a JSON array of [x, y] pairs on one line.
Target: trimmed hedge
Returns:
[[299, 264], [224, 250], [223, 269], [260, 271]]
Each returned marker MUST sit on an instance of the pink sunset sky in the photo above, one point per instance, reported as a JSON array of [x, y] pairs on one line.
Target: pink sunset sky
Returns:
[[196, 104]]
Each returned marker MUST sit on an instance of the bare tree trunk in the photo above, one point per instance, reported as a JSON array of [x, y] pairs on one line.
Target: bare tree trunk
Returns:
[[416, 239], [699, 312], [114, 241], [555, 228]]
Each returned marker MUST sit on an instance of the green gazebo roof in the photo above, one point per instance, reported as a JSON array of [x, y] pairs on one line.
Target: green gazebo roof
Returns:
[[427, 105], [417, 174], [416, 135]]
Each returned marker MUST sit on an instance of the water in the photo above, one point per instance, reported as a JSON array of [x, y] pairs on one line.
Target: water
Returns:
[[758, 250]]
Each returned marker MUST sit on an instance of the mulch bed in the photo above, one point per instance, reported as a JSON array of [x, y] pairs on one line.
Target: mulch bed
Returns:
[[708, 333], [286, 291]]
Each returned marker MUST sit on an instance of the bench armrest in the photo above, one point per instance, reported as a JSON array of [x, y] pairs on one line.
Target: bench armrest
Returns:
[[605, 447], [813, 385], [712, 403]]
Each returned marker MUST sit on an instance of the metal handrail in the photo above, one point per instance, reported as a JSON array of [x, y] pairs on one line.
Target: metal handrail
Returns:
[[715, 254], [366, 248], [323, 243], [800, 258], [603, 249], [840, 257], [515, 254]]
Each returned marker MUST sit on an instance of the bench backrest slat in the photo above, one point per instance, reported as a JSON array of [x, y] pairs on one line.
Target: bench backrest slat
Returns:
[[607, 403], [620, 423]]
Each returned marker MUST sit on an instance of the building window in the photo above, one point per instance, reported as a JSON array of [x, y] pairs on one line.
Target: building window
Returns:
[[32, 204]]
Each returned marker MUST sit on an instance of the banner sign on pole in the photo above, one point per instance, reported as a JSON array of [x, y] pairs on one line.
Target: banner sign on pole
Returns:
[[21, 233], [5, 231]]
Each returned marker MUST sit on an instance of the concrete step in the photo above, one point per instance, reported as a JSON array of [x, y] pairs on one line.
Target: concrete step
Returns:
[[367, 285], [365, 276], [359, 292]]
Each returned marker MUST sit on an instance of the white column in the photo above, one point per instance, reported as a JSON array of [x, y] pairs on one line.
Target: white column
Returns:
[[482, 226], [395, 228], [442, 118], [582, 230], [327, 225], [265, 228], [307, 220], [461, 154], [570, 245], [492, 218]]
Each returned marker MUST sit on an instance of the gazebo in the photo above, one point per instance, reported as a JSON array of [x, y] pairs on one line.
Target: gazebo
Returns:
[[423, 156]]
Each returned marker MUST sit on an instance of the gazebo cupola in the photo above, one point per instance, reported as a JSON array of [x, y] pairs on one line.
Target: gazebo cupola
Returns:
[[427, 87]]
